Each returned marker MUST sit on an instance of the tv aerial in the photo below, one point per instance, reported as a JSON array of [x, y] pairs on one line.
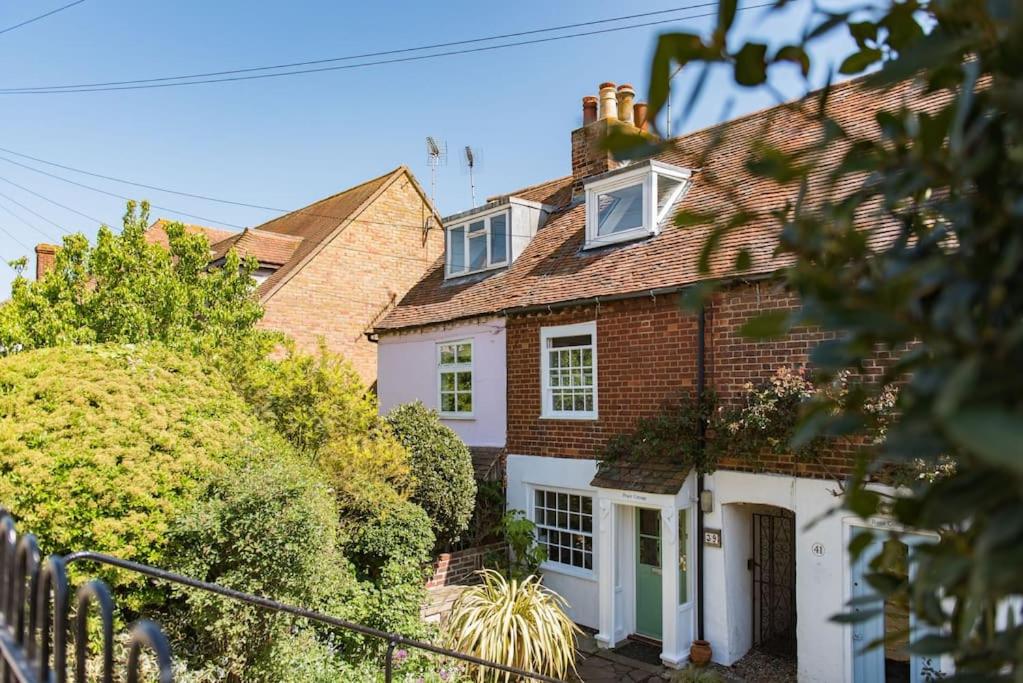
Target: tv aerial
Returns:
[[472, 160], [436, 155]]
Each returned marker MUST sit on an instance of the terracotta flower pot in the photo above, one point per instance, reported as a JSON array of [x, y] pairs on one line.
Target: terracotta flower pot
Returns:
[[700, 652]]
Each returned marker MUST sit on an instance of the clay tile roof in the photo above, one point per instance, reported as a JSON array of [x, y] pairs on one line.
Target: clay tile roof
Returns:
[[268, 248], [316, 222], [157, 232], [554, 268], [652, 475]]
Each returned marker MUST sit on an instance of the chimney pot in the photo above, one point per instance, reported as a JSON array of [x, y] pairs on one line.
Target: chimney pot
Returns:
[[626, 96], [639, 116], [589, 110], [608, 102]]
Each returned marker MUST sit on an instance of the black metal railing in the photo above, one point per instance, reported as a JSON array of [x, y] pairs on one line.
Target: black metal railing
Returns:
[[34, 618]]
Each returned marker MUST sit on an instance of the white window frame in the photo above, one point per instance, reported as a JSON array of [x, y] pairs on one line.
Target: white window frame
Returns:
[[646, 175], [464, 223], [456, 367], [547, 406], [558, 566]]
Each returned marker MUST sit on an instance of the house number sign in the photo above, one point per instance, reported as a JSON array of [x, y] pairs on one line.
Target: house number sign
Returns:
[[712, 537]]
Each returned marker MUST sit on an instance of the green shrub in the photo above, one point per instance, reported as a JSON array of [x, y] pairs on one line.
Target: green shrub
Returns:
[[442, 468], [310, 398], [523, 555], [101, 446], [270, 529]]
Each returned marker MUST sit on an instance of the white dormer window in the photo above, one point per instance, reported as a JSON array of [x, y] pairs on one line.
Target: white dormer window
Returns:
[[480, 243], [631, 203]]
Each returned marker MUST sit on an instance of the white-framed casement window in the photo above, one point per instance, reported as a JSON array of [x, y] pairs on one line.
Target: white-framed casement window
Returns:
[[632, 203], [454, 378], [480, 243], [568, 369], [564, 527]]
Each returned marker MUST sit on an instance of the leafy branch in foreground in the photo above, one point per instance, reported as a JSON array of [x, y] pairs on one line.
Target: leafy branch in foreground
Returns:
[[905, 237]]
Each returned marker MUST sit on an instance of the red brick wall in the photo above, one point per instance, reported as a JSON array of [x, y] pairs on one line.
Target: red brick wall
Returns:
[[646, 351], [356, 278], [459, 566]]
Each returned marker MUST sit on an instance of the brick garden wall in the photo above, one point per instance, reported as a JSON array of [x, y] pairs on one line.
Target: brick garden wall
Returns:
[[348, 287], [646, 351], [459, 566]]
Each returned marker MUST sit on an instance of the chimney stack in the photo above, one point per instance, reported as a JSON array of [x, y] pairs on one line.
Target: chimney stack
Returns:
[[614, 107], [626, 96], [46, 258]]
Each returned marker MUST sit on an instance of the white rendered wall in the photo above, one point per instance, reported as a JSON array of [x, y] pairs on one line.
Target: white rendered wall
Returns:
[[407, 371], [820, 579], [579, 588]]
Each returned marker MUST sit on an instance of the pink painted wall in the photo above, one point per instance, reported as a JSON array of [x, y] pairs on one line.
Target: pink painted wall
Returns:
[[407, 371]]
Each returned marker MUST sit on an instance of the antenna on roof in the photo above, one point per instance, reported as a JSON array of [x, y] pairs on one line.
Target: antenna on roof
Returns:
[[472, 162], [436, 154]]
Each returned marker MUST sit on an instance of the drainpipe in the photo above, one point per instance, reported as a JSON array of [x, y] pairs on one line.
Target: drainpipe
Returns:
[[701, 437]]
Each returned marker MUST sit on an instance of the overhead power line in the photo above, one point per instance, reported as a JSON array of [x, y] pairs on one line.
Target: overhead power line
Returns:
[[51, 201], [32, 226], [34, 212], [41, 16], [241, 75], [365, 55]]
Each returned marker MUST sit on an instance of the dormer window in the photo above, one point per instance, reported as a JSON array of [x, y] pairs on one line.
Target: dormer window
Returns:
[[479, 244], [631, 203]]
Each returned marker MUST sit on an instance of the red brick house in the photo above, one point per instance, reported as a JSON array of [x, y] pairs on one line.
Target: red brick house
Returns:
[[585, 306], [333, 269]]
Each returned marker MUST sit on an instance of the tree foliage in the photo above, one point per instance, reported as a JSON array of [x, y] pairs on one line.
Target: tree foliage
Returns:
[[445, 484], [126, 290], [101, 446], [944, 294]]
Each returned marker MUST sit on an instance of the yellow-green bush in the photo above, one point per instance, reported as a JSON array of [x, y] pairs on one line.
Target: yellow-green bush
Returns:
[[100, 446]]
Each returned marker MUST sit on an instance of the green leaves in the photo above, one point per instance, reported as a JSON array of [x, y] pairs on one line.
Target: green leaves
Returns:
[[673, 50], [751, 64], [859, 61], [990, 433], [770, 325]]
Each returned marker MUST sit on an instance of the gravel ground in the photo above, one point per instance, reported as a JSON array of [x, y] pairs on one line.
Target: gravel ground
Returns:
[[760, 667]]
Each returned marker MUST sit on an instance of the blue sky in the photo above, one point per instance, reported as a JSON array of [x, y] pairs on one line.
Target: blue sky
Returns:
[[285, 142]]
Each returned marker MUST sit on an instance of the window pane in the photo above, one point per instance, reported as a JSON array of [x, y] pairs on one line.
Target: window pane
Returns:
[[683, 556], [556, 402], [456, 256], [447, 403], [574, 340], [447, 355], [649, 522], [477, 252], [538, 498], [499, 238], [447, 381], [465, 381], [465, 403], [665, 189], [476, 227], [464, 353], [620, 210]]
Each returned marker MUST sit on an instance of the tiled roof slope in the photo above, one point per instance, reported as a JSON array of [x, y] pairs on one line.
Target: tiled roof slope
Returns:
[[651, 475], [554, 268], [268, 248], [316, 222], [157, 232]]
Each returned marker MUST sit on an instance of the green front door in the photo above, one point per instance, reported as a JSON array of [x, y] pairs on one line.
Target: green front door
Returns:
[[648, 574]]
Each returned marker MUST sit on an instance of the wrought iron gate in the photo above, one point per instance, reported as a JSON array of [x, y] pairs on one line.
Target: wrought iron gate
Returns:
[[774, 581]]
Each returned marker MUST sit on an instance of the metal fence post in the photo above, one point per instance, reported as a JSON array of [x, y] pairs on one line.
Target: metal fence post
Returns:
[[389, 661]]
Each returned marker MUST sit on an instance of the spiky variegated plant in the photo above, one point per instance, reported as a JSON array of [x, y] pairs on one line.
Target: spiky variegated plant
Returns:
[[516, 623]]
